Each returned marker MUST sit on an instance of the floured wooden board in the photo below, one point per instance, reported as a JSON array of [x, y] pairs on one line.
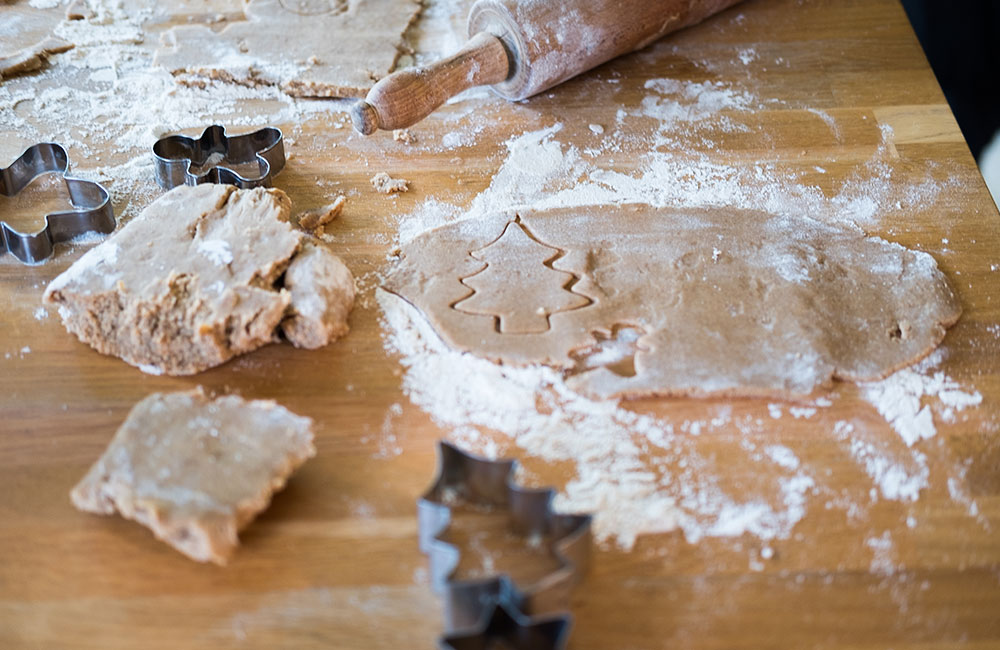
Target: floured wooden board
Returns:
[[786, 512], [196, 471], [203, 274], [26, 39], [633, 300], [309, 48]]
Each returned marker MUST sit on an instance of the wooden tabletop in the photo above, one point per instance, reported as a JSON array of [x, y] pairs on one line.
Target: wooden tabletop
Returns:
[[334, 562]]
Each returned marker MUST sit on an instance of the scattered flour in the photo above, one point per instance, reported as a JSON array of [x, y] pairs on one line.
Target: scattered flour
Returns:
[[747, 55], [900, 398], [783, 456], [882, 556], [690, 102], [896, 479], [217, 251]]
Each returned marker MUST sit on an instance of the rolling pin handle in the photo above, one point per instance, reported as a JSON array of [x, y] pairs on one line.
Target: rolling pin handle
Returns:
[[364, 117], [407, 96]]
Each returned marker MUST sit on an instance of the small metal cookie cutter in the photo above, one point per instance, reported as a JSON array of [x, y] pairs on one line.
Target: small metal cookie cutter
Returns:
[[92, 211], [181, 160], [513, 628], [477, 608]]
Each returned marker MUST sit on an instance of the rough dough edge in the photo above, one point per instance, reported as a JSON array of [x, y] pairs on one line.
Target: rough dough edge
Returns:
[[829, 381], [32, 58], [146, 515], [201, 77]]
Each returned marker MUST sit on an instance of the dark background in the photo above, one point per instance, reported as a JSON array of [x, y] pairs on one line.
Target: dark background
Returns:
[[962, 41]]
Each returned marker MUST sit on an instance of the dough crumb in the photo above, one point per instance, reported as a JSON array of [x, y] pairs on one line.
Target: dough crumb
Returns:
[[313, 221], [404, 136], [596, 129], [196, 470], [385, 184]]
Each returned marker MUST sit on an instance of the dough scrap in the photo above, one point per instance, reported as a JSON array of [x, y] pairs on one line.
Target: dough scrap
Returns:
[[190, 283], [309, 48], [196, 471], [26, 40], [386, 184], [314, 221], [322, 291], [682, 301]]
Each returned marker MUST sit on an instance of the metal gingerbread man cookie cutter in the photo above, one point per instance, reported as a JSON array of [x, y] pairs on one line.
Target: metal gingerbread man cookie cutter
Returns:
[[474, 607], [180, 160], [92, 211]]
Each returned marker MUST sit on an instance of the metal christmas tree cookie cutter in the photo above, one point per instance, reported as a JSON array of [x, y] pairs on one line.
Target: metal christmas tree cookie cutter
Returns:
[[471, 605]]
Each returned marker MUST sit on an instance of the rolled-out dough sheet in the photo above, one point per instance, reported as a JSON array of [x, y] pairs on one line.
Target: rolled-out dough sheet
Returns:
[[196, 279], [26, 38], [195, 470], [646, 301], [309, 48]]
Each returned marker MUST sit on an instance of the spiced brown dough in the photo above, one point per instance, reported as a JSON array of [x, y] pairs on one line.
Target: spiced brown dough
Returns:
[[322, 291], [26, 40], [323, 48], [634, 300], [196, 471], [195, 280]]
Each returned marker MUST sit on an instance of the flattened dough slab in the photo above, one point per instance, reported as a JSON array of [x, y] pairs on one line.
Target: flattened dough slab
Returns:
[[196, 471], [26, 38], [309, 48], [194, 281], [725, 302]]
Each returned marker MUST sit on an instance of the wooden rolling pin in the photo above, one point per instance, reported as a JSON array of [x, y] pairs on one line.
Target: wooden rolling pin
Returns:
[[523, 47]]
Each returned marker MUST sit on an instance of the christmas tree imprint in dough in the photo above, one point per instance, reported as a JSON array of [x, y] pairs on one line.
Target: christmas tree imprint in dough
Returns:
[[308, 48], [518, 285], [718, 301]]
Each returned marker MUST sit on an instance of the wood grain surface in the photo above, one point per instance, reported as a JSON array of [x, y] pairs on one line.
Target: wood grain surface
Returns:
[[334, 562]]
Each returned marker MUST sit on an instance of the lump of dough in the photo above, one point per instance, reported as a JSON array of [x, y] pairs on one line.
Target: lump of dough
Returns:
[[322, 291], [196, 280], [187, 284], [196, 471]]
